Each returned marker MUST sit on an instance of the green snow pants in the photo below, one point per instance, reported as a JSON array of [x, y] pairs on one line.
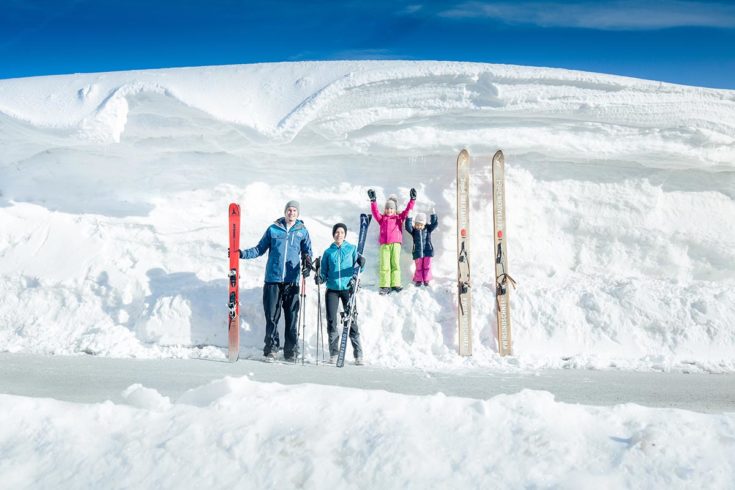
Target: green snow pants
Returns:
[[390, 265]]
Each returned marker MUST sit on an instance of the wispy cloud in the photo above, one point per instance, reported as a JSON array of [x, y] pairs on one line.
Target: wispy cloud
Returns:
[[367, 54], [411, 9], [350, 54], [602, 15]]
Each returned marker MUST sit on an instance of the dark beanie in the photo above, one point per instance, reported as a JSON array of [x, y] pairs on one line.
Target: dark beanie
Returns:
[[339, 225]]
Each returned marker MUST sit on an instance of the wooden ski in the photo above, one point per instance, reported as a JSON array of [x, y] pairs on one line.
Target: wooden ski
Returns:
[[464, 296], [502, 279]]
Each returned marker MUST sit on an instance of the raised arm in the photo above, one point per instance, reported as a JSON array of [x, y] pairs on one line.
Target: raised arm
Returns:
[[408, 209], [376, 214], [433, 222]]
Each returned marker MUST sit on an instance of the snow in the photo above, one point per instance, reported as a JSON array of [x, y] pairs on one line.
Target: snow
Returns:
[[621, 230], [312, 436]]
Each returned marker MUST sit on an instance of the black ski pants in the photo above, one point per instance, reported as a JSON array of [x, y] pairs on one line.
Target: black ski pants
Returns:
[[334, 326], [277, 296]]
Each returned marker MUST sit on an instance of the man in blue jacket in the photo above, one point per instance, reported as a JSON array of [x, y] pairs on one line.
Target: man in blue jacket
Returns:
[[337, 269], [289, 254]]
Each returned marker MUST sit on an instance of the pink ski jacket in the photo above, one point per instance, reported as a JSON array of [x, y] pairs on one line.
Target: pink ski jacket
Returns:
[[391, 227]]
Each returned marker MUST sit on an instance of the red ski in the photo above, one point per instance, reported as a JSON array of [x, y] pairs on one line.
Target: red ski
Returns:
[[234, 277]]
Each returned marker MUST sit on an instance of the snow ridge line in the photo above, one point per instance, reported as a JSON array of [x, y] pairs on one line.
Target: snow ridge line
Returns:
[[105, 122]]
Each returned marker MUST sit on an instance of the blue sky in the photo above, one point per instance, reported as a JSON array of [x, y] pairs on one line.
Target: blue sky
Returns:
[[689, 42]]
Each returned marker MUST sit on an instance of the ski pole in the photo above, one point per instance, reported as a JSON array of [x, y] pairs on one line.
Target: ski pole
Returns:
[[315, 267], [320, 323], [298, 318], [303, 319]]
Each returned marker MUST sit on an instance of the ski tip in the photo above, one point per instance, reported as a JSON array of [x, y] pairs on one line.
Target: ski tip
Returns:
[[498, 157], [463, 155]]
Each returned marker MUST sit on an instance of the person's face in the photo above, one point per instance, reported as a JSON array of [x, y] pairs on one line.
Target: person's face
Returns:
[[419, 226], [291, 214], [390, 211], [339, 236]]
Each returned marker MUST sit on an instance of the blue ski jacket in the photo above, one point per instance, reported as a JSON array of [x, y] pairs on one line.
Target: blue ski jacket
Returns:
[[422, 246], [284, 248], [338, 265]]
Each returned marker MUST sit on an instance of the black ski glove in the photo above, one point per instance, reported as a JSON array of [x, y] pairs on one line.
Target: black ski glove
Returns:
[[361, 261], [351, 285], [306, 265], [413, 194], [371, 195], [318, 279]]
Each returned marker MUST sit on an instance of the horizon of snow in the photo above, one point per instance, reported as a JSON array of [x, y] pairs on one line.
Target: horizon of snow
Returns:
[[621, 212]]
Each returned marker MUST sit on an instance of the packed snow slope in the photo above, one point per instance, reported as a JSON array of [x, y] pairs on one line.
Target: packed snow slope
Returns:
[[621, 215]]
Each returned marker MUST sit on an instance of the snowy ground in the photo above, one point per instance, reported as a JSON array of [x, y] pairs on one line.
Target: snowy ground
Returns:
[[254, 434], [93, 379], [621, 229]]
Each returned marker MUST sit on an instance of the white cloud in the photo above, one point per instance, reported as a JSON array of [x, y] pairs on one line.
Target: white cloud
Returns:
[[604, 15], [412, 9]]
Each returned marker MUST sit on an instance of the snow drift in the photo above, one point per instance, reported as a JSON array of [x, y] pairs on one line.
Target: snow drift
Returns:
[[237, 432], [621, 214]]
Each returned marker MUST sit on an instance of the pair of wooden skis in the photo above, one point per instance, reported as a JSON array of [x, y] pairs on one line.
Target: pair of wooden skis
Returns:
[[502, 279]]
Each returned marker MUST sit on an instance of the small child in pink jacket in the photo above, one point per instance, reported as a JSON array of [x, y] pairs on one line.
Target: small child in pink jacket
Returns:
[[391, 238]]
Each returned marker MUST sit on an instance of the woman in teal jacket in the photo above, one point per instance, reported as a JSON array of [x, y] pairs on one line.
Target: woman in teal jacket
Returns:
[[338, 268]]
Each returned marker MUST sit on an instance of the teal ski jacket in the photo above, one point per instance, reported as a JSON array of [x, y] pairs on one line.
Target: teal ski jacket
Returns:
[[338, 266]]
